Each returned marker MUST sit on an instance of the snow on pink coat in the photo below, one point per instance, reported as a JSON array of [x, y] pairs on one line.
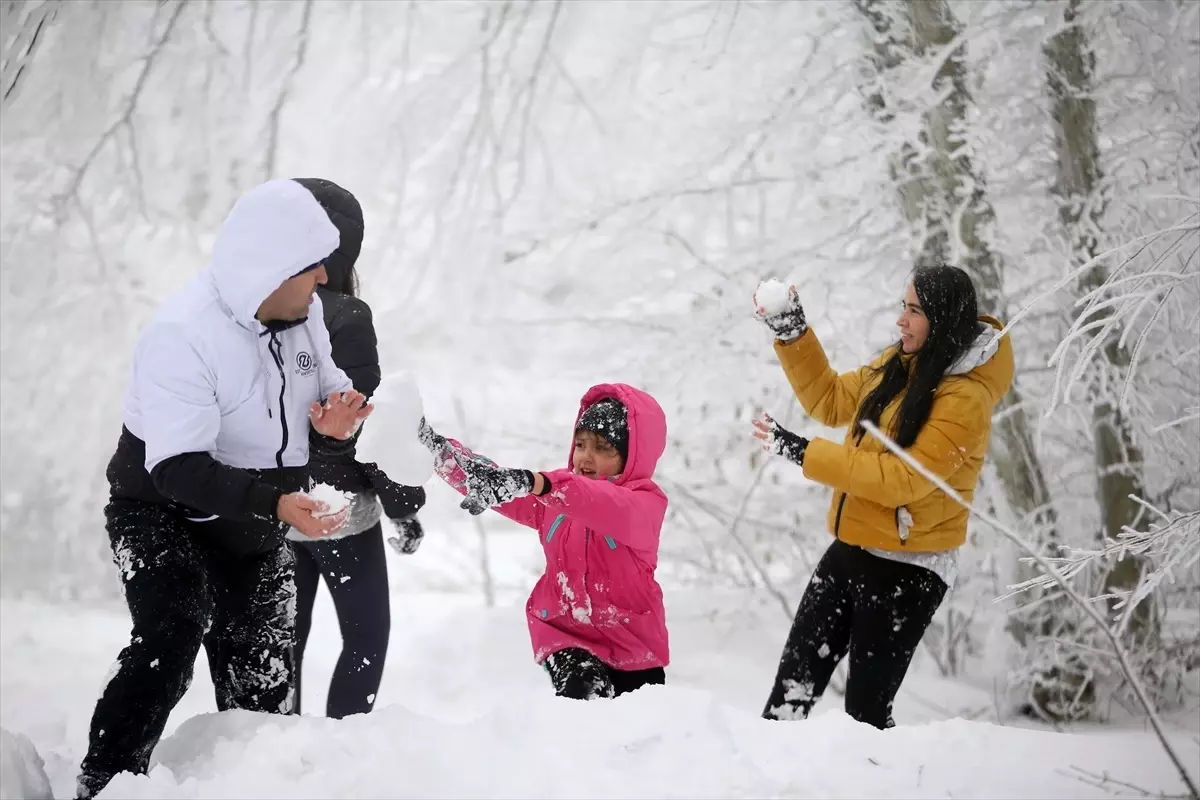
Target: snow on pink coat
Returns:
[[600, 537]]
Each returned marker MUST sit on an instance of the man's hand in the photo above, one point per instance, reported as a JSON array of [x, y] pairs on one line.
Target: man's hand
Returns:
[[342, 414], [779, 440], [309, 516]]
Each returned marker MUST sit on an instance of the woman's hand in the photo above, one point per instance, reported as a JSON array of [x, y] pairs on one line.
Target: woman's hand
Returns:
[[409, 534], [782, 314], [779, 440], [341, 416]]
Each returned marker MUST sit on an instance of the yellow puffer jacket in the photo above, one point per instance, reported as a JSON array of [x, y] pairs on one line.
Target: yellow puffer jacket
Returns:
[[870, 484]]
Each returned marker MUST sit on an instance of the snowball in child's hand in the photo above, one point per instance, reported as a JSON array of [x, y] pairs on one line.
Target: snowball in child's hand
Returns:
[[335, 500], [772, 297]]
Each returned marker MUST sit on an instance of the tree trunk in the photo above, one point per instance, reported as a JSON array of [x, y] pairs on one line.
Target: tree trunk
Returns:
[[960, 194], [1070, 65], [944, 198], [907, 170]]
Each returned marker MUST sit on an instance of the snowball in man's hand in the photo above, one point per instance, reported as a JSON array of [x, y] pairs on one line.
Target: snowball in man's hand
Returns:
[[772, 297], [335, 499]]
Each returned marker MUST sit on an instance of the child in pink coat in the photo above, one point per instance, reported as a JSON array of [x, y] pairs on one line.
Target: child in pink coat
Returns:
[[596, 616]]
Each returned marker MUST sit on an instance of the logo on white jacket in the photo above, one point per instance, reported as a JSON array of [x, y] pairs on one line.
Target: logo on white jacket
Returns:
[[304, 364]]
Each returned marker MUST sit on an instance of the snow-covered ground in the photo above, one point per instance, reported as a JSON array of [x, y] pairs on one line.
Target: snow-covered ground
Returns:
[[463, 712]]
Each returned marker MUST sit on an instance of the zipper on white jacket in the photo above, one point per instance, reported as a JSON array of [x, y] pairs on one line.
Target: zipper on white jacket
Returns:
[[277, 355]]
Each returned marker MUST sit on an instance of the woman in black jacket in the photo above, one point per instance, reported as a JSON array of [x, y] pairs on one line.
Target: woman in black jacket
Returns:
[[352, 560]]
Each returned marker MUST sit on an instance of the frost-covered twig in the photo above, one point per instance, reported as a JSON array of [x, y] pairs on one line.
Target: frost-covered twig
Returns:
[[1118, 649], [1173, 545], [1123, 305], [1101, 781], [1074, 274], [1192, 414]]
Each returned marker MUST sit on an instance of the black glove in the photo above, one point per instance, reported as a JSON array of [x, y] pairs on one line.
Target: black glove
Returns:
[[781, 441], [433, 441], [489, 485], [787, 324], [409, 534]]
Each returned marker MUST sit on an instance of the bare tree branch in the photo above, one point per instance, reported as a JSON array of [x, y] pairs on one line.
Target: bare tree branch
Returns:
[[21, 39], [126, 117], [284, 91], [248, 48], [530, 98]]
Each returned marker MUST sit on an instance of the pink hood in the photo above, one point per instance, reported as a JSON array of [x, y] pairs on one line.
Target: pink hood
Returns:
[[647, 428]]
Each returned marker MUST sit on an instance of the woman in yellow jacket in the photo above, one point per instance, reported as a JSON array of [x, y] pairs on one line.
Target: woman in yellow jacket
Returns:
[[894, 555]]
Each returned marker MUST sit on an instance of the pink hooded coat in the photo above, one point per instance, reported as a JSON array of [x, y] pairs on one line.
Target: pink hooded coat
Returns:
[[600, 537]]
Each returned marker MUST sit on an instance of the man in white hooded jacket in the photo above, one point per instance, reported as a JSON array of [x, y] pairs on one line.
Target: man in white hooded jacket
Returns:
[[232, 382]]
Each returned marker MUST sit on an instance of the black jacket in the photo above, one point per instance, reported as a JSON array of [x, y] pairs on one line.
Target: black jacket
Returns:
[[355, 349]]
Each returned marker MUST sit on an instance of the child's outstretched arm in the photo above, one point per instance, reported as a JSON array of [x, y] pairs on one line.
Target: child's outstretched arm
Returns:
[[632, 517], [448, 455]]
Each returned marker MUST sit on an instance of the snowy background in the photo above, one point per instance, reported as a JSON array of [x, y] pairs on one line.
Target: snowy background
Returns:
[[559, 194]]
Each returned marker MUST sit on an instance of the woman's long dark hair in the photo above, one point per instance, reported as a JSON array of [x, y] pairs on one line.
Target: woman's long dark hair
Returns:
[[345, 213], [343, 279], [947, 297]]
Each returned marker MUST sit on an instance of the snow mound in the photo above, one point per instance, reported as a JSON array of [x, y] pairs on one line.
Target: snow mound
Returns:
[[659, 742], [399, 410], [772, 297], [22, 771]]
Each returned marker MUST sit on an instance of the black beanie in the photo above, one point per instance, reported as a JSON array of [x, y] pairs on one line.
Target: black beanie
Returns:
[[608, 418]]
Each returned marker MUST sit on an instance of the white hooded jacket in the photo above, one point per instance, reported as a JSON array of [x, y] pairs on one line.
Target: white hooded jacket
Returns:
[[209, 377]]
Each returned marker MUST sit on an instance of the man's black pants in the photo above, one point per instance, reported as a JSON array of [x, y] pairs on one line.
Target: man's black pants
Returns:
[[183, 592]]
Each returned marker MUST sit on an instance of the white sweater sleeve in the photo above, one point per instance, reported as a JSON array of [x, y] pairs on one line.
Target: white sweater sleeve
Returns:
[[176, 396]]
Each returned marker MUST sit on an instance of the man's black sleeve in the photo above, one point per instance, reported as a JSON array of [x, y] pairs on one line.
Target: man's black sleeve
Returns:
[[199, 481]]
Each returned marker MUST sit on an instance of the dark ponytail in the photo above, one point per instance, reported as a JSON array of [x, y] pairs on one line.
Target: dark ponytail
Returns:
[[948, 299]]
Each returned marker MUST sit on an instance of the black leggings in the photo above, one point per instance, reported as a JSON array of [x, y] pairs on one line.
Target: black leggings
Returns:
[[579, 675], [355, 572], [876, 609]]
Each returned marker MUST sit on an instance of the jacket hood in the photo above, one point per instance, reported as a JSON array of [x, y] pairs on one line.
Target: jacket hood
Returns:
[[345, 213], [273, 232], [647, 428], [989, 359]]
